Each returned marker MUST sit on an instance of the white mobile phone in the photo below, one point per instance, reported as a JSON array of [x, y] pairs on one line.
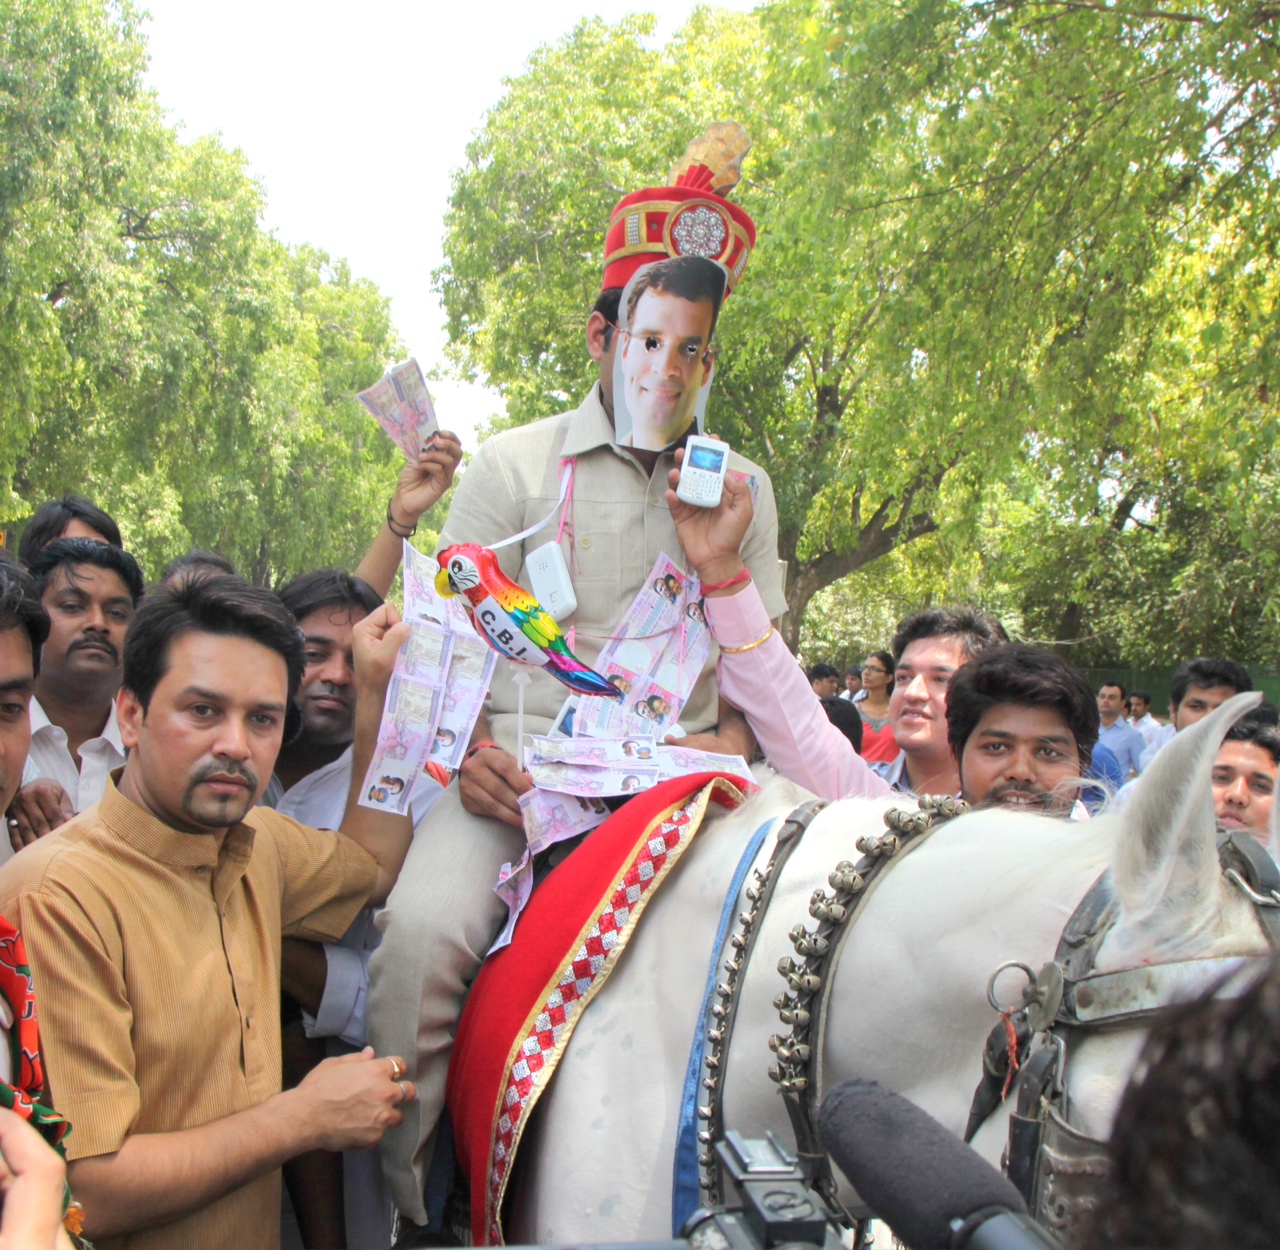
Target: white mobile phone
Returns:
[[702, 471]]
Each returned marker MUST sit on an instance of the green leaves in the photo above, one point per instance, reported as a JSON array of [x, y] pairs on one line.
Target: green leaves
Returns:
[[1000, 245], [161, 352]]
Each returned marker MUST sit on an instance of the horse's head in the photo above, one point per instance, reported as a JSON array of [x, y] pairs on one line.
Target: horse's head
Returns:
[[1174, 901]]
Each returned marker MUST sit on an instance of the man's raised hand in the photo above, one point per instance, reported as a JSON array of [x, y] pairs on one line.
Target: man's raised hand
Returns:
[[711, 537], [421, 485], [375, 642]]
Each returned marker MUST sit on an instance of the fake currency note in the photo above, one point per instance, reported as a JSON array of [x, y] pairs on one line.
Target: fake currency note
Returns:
[[425, 653], [382, 401], [752, 484], [471, 667], [685, 761], [655, 657], [594, 751], [411, 386], [402, 405], [471, 661], [550, 817], [594, 782], [514, 885], [409, 717], [422, 601]]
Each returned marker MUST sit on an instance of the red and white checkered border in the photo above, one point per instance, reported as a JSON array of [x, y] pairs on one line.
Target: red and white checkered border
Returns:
[[590, 964]]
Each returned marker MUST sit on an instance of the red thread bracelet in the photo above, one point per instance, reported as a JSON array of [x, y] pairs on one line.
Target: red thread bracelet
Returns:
[[744, 576], [479, 746]]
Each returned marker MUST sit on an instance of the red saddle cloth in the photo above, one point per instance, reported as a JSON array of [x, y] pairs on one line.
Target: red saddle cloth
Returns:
[[530, 995]]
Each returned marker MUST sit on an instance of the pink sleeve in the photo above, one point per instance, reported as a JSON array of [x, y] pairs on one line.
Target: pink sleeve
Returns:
[[770, 689]]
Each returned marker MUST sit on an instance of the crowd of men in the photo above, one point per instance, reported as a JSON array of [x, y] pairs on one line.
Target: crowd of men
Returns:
[[1128, 737], [226, 987]]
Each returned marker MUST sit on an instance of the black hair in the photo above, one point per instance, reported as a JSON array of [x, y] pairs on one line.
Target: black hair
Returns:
[[63, 551], [854, 670], [1115, 685], [20, 606], [1193, 1150], [328, 588], [1259, 727], [53, 517], [887, 661], [1139, 693], [1023, 675], [199, 559], [816, 672], [845, 717], [607, 304], [219, 604], [976, 630], [1210, 673], [694, 278]]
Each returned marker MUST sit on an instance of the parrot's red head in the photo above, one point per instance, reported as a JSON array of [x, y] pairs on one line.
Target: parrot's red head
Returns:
[[464, 568]]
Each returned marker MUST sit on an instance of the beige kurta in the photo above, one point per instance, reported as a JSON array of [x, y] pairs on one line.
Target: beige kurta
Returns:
[[156, 958], [618, 523]]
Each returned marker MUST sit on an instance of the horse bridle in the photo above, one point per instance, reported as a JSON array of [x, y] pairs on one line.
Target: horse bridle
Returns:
[[1059, 1169], [802, 1006]]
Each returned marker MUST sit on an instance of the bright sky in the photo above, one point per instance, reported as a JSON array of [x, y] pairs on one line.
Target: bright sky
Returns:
[[354, 117]]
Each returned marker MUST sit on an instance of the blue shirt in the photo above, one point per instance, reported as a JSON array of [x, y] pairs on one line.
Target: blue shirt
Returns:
[[1126, 744]]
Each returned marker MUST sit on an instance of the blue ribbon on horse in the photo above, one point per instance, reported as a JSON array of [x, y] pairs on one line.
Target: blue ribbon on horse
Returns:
[[685, 1194]]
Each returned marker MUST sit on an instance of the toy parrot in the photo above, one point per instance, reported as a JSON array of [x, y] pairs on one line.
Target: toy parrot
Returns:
[[512, 621]]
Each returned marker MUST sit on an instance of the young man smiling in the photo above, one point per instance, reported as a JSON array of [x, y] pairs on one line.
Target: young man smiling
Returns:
[[1244, 776], [1022, 725], [1021, 735]]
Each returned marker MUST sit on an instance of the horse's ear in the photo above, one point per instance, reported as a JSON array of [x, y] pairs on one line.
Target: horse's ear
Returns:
[[1165, 858]]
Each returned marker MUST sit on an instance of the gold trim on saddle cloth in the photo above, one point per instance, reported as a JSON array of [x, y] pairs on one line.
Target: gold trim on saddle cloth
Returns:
[[545, 1034]]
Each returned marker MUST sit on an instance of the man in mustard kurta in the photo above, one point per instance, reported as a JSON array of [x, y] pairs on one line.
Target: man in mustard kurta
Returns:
[[154, 921]]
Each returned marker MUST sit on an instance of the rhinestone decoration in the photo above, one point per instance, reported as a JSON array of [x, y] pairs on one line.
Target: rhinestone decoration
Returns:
[[699, 231], [633, 229]]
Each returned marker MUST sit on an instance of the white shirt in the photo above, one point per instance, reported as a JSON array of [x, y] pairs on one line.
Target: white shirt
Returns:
[[1152, 730], [1158, 740], [319, 800], [50, 758]]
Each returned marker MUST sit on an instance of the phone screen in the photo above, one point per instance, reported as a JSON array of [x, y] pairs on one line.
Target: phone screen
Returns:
[[709, 458]]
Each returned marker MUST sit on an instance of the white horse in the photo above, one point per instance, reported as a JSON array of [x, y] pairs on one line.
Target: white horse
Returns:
[[908, 1006]]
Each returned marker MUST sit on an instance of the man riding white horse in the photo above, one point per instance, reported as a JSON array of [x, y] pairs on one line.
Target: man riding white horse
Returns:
[[993, 724]]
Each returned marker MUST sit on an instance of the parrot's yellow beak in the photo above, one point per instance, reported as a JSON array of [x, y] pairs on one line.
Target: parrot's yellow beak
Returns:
[[443, 586]]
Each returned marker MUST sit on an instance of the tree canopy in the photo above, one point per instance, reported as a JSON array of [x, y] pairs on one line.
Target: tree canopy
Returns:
[[1010, 254], [161, 351]]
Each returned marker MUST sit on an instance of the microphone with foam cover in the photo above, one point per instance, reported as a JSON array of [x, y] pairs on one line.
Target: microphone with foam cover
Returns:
[[932, 1189]]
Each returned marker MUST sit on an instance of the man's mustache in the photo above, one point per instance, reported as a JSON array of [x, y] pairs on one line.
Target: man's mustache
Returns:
[[98, 643], [218, 768], [326, 690]]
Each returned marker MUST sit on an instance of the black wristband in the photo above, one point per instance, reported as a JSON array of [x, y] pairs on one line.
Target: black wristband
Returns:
[[393, 525]]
